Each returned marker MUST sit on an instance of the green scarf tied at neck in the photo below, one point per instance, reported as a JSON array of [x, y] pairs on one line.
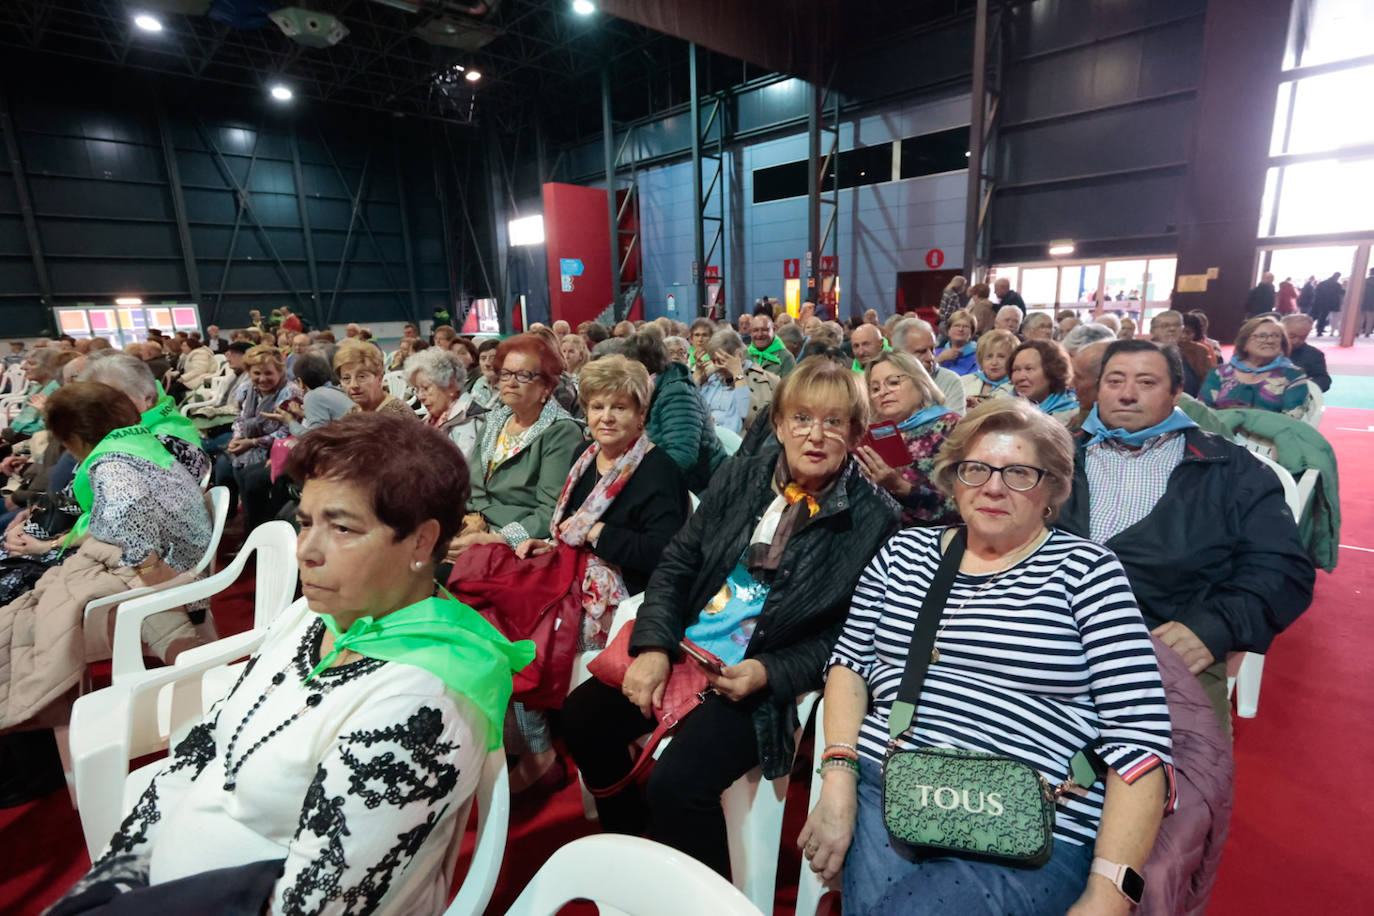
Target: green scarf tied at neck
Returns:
[[137, 441], [449, 640], [164, 419], [768, 353]]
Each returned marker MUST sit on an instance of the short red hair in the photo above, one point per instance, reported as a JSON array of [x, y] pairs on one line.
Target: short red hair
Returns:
[[535, 346]]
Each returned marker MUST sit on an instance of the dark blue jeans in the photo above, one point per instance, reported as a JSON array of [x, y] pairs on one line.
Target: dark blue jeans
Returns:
[[879, 879]]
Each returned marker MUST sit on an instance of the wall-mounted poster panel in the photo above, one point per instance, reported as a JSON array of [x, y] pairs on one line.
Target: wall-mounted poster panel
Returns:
[[126, 324]]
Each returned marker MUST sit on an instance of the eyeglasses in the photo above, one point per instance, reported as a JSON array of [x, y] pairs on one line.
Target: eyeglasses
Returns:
[[831, 427], [891, 383], [1272, 338], [523, 376], [1019, 477]]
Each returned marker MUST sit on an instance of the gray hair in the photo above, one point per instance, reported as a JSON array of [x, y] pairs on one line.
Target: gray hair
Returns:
[[1086, 335], [1109, 320], [902, 330], [726, 340], [675, 340], [122, 371], [1009, 308], [611, 346], [791, 335], [438, 364], [1035, 319], [45, 357]]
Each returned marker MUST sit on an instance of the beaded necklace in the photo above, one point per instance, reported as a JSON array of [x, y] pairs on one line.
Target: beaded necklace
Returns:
[[231, 769]]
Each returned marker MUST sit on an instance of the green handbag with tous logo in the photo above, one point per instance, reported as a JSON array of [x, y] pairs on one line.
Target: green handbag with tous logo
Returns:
[[963, 803]]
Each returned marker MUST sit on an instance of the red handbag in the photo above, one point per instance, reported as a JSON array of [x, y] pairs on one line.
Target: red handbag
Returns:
[[687, 688]]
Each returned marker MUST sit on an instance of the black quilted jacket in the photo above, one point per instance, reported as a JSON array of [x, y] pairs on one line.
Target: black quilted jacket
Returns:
[[810, 593]]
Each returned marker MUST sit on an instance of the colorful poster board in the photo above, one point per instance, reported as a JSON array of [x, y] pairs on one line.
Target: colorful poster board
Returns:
[[124, 325]]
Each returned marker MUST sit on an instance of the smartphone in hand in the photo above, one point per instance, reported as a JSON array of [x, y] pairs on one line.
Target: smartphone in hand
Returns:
[[703, 658]]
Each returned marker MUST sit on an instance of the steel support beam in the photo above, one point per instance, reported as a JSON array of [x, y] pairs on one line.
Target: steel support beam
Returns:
[[608, 144], [346, 253], [499, 233], [169, 159], [317, 316], [21, 191], [362, 217], [405, 237], [813, 196], [441, 193], [977, 121], [698, 221], [1352, 309]]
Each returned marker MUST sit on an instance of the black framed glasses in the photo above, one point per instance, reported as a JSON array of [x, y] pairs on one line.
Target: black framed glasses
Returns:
[[523, 376], [1019, 477]]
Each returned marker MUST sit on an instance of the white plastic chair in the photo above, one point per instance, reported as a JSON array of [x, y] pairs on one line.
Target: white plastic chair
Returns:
[[274, 544], [493, 822], [730, 441], [629, 876], [1243, 678], [1316, 405], [753, 806], [96, 616]]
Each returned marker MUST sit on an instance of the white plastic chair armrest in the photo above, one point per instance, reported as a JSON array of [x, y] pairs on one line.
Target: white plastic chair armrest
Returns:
[[222, 651], [96, 619], [126, 649]]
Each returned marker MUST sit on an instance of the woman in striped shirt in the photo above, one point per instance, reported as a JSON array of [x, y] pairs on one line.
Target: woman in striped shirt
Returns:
[[1041, 652]]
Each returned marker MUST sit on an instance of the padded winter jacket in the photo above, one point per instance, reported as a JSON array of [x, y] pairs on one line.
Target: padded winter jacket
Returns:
[[1219, 553], [809, 595], [680, 424]]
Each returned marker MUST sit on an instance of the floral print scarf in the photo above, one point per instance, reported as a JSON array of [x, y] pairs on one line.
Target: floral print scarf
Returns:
[[603, 589]]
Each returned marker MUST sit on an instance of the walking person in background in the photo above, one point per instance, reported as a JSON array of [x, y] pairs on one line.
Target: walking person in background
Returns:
[[1327, 300], [1261, 298], [1367, 306], [1287, 302], [1307, 295]]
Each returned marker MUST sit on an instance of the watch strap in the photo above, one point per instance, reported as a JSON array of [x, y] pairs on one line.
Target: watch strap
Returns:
[[1116, 873]]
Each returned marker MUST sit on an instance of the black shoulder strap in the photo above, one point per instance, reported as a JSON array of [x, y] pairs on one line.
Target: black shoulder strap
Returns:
[[923, 637]]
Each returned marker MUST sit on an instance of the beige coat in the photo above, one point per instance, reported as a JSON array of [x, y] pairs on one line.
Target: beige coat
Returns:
[[42, 647]]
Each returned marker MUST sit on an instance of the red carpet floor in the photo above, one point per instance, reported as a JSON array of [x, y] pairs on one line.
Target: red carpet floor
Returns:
[[1301, 833]]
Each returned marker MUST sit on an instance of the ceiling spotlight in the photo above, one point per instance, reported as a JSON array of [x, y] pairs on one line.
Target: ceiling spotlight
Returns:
[[472, 76], [148, 23], [1061, 246], [128, 300], [583, 7], [281, 93]]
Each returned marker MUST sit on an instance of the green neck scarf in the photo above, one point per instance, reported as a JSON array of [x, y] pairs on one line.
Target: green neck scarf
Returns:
[[137, 441], [448, 639], [768, 353], [163, 419]]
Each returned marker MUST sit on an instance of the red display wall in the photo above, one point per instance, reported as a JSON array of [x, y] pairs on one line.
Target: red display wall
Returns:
[[576, 238]]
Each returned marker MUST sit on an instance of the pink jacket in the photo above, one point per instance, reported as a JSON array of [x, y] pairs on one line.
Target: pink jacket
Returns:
[[1183, 865]]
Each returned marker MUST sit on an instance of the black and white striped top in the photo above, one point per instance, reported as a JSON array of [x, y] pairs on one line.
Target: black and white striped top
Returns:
[[1051, 658]]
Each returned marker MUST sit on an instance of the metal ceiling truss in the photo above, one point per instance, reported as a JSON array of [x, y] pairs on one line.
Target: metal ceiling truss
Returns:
[[539, 62]]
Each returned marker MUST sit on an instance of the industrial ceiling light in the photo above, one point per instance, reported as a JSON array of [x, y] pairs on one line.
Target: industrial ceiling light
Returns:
[[128, 300], [472, 76], [281, 93], [148, 23], [583, 7], [1061, 246], [528, 230]]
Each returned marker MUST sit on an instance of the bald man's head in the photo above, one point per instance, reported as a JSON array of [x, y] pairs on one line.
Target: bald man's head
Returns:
[[867, 342]]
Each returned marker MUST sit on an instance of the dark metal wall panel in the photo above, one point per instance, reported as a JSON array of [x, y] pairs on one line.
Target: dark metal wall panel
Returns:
[[1095, 125], [107, 218]]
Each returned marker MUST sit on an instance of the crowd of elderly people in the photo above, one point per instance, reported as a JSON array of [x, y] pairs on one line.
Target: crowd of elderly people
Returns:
[[972, 537]]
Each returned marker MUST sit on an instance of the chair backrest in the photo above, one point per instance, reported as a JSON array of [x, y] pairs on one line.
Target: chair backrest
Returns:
[[1290, 486], [218, 498], [493, 821], [274, 545], [396, 384], [624, 874], [1316, 405]]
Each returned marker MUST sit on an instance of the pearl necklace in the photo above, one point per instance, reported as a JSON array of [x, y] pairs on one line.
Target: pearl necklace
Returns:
[[1016, 558]]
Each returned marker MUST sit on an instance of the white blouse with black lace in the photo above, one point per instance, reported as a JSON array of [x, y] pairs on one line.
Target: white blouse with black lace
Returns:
[[355, 779]]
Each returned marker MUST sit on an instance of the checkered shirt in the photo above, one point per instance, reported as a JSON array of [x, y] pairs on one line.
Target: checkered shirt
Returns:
[[1124, 484]]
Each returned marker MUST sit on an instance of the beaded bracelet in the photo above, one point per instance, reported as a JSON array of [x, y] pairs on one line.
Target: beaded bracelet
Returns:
[[848, 747], [839, 763]]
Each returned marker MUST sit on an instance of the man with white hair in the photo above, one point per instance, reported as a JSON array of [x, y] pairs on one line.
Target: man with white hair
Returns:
[[867, 342], [216, 343], [916, 337], [1086, 345], [1305, 356], [1008, 319], [352, 330], [1008, 296]]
